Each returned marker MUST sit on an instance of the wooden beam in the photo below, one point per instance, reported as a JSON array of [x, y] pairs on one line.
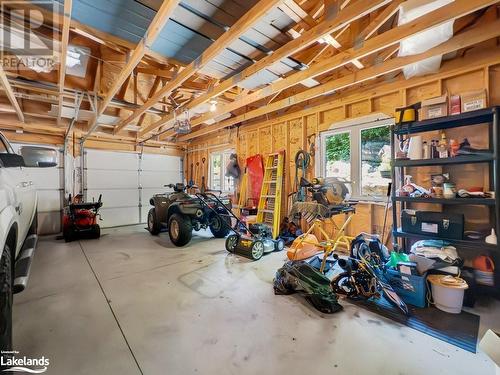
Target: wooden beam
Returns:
[[68, 5], [135, 58], [379, 20], [465, 39], [377, 43], [240, 27], [478, 60], [154, 87], [10, 94], [349, 14], [124, 88]]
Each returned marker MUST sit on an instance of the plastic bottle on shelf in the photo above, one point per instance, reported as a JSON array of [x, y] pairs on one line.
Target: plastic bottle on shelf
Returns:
[[426, 150], [492, 238]]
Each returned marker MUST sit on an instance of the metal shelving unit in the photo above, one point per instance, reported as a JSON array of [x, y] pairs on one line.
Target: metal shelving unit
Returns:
[[484, 116]]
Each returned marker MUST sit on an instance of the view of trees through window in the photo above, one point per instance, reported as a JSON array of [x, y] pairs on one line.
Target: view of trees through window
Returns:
[[375, 160], [338, 156], [373, 146]]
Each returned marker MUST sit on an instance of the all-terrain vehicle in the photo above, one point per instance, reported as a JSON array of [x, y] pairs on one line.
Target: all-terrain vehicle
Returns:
[[180, 213]]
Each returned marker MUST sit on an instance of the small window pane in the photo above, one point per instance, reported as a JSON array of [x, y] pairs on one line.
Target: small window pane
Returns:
[[338, 156], [216, 171], [375, 160]]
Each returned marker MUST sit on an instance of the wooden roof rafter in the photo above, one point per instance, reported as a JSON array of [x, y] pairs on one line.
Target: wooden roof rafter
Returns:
[[382, 42], [240, 27], [153, 31], [355, 11]]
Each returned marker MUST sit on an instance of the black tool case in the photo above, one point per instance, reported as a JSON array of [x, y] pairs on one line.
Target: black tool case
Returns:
[[439, 224]]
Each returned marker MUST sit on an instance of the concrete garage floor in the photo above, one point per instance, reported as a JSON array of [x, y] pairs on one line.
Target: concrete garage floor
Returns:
[[131, 303]]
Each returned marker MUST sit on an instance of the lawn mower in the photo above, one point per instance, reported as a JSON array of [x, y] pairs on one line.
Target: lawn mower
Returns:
[[252, 241], [80, 219]]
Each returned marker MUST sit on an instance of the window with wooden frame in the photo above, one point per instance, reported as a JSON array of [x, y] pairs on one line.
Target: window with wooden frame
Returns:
[[217, 171], [360, 155]]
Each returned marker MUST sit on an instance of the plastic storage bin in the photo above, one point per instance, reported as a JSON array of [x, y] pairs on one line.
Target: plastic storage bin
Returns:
[[411, 288]]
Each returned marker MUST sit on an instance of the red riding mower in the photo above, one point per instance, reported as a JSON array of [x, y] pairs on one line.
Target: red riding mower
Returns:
[[80, 219]]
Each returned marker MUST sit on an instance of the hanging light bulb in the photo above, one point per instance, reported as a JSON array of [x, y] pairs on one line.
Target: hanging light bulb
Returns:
[[213, 105]]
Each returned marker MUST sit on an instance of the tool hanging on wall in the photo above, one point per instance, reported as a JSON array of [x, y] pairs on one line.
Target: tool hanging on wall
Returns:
[[197, 175], [191, 181], [269, 208], [302, 162], [203, 186]]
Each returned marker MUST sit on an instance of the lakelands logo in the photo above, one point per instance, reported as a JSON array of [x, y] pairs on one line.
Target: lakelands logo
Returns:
[[9, 362]]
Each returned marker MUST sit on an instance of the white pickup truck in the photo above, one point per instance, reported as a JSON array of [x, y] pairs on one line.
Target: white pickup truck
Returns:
[[18, 225]]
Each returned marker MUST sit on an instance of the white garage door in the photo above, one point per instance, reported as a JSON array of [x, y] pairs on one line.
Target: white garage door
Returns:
[[49, 183], [126, 182], [156, 171]]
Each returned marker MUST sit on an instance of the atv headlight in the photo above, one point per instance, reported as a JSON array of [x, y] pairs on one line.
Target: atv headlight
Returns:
[[199, 213]]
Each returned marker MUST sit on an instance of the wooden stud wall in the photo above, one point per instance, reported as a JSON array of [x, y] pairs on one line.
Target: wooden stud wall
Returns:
[[291, 132]]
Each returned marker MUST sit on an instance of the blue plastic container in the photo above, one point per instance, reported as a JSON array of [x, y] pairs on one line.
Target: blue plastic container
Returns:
[[410, 288]]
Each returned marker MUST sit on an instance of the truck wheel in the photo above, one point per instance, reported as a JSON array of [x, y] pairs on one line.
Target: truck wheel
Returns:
[[180, 229], [219, 226], [6, 300], [231, 242], [153, 225], [257, 250]]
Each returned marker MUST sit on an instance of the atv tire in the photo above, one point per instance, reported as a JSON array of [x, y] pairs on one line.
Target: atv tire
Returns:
[[220, 226], [180, 229], [6, 281], [153, 224]]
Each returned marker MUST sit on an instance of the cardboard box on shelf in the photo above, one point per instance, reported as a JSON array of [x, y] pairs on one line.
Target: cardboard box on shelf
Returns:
[[434, 107], [473, 100]]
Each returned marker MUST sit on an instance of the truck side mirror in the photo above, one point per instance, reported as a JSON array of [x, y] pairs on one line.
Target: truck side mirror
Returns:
[[39, 157], [11, 160]]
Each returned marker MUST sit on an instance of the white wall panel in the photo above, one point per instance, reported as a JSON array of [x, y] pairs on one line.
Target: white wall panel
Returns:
[[49, 200]]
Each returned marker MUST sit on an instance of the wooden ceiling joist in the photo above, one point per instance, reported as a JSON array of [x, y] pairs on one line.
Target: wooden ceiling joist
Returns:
[[238, 29], [10, 94], [380, 20], [469, 38], [68, 5], [355, 11], [135, 58], [377, 43]]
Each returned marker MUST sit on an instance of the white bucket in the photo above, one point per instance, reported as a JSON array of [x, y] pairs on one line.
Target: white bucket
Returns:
[[448, 292]]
